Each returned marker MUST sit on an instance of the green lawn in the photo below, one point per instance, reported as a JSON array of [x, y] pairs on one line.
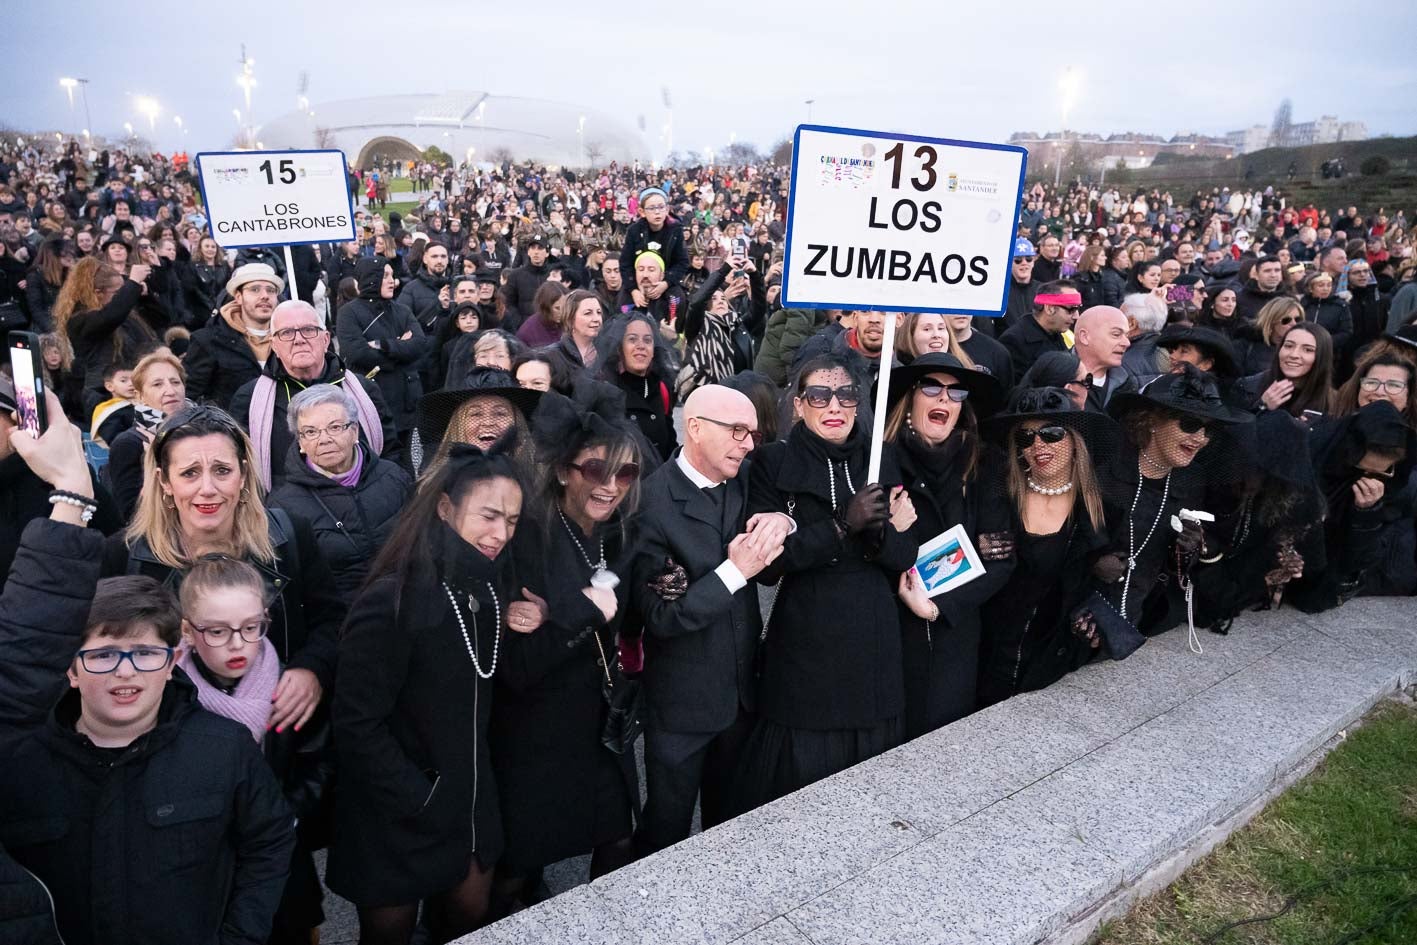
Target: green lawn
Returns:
[[1336, 855]]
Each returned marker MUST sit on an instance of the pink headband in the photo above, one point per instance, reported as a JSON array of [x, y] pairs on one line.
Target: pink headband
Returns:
[[1068, 299]]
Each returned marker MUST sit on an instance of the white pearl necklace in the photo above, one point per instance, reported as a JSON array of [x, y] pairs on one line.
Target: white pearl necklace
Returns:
[[831, 480], [496, 637], [1044, 490], [1132, 549]]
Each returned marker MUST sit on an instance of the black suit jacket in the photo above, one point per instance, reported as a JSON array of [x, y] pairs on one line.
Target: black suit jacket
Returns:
[[699, 649]]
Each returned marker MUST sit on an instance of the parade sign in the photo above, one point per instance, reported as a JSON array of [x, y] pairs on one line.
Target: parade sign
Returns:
[[269, 198], [900, 223]]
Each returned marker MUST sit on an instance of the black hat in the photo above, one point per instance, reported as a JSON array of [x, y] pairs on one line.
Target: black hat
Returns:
[[435, 410], [536, 239], [1406, 335], [1054, 406], [1191, 392], [486, 276], [565, 424], [1215, 345], [985, 392]]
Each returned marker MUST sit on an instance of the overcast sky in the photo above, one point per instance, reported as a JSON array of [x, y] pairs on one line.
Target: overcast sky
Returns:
[[975, 71]]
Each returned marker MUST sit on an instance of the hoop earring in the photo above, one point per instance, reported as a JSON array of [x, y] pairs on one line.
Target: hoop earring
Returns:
[[168, 502], [244, 497]]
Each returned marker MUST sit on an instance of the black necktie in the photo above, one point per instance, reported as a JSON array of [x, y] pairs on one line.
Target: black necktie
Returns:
[[715, 494]]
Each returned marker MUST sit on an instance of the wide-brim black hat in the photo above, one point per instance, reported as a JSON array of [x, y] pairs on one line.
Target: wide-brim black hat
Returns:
[[435, 410], [1215, 345], [1406, 335], [986, 394], [1191, 392], [1052, 405]]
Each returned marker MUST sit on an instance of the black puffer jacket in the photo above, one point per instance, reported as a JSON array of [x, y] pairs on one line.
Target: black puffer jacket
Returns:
[[351, 524], [192, 806], [372, 318], [42, 613], [219, 361], [24, 497], [104, 335]]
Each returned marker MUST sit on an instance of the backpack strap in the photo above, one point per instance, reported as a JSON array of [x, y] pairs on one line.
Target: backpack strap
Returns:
[[259, 420], [367, 413]]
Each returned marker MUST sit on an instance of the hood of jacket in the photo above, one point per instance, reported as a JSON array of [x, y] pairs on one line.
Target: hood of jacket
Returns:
[[260, 345], [369, 274]]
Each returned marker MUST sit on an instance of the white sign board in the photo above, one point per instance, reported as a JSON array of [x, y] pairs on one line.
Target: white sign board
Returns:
[[900, 223], [270, 198]]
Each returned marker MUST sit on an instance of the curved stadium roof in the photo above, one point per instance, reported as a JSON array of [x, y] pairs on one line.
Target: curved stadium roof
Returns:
[[457, 122]]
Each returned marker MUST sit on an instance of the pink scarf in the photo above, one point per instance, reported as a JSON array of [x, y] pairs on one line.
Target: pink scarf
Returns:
[[250, 702]]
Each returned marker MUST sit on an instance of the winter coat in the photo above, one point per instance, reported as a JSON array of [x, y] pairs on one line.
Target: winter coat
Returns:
[[351, 524], [188, 816], [1092, 287], [1114, 286], [1252, 355], [40, 296], [417, 798], [203, 287], [1332, 313], [668, 242], [42, 614], [287, 387], [421, 293], [833, 658], [1369, 315], [520, 295], [1250, 299], [1026, 342], [112, 333], [649, 401], [307, 612], [371, 318], [941, 659], [219, 360], [24, 497], [786, 330]]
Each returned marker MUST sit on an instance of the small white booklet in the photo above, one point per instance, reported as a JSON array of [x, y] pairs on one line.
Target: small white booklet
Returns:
[[947, 561]]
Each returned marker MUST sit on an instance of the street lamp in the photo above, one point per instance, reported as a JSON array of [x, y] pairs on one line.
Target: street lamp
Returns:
[[128, 127], [83, 84], [146, 105], [809, 109], [1068, 87], [580, 134]]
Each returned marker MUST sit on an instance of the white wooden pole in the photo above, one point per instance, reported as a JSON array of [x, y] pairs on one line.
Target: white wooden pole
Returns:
[[883, 384]]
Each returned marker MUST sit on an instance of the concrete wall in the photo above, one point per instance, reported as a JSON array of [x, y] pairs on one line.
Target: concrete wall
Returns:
[[1021, 822]]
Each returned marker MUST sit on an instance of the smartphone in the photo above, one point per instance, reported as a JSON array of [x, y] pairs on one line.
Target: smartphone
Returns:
[[28, 373], [1179, 293], [740, 246]]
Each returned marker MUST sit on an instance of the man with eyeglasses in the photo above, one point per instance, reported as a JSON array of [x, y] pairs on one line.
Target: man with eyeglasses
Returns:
[[1022, 289], [1057, 305], [699, 553], [656, 232], [146, 818], [235, 345], [303, 358]]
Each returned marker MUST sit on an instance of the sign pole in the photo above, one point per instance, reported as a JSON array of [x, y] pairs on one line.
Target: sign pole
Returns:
[[290, 273], [883, 387]]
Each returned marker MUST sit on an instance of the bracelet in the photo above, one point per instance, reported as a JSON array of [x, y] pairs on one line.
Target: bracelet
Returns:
[[936, 615], [88, 506], [85, 499]]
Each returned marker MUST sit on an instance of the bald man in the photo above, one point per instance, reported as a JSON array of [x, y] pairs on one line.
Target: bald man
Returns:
[[1100, 342], [692, 581]]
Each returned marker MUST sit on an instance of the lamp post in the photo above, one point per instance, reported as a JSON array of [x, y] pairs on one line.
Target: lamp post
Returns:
[[128, 127], [580, 136], [247, 80], [240, 130], [149, 107], [83, 85], [68, 86], [1068, 88]]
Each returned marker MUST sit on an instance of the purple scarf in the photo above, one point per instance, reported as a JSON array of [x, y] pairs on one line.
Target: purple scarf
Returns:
[[250, 702], [350, 478]]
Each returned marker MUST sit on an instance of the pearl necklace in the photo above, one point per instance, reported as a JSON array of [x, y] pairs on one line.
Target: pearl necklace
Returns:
[[831, 480], [599, 571], [497, 636], [1044, 490], [1132, 548]]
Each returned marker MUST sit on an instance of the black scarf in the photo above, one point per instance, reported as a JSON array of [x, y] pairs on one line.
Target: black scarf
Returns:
[[814, 464], [942, 469]]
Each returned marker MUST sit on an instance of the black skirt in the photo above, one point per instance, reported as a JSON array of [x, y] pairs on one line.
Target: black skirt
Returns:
[[778, 760]]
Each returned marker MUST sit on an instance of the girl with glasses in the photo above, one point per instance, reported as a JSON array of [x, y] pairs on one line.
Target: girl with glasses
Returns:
[[831, 691], [932, 424], [226, 654]]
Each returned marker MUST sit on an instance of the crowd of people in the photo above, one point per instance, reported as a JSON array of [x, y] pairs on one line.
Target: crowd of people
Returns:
[[399, 554]]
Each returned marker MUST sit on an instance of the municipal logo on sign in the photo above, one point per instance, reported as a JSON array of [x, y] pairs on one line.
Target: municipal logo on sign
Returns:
[[952, 183]]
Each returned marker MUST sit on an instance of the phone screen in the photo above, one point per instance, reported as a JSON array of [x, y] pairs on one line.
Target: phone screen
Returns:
[[29, 381]]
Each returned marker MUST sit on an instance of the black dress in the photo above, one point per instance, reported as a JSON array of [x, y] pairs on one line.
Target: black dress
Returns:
[[417, 800], [563, 793], [832, 691], [941, 659]]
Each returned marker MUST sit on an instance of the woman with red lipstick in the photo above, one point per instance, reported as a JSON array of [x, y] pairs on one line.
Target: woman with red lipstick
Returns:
[[201, 497], [564, 793], [1059, 531], [933, 425], [235, 668], [637, 360], [416, 814], [831, 689]]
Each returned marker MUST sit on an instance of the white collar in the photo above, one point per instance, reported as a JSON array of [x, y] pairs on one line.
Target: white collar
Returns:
[[692, 474]]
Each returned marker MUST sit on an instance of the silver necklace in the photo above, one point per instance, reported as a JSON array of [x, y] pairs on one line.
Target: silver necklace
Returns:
[[1044, 490], [1132, 549], [831, 480], [599, 572], [496, 637]]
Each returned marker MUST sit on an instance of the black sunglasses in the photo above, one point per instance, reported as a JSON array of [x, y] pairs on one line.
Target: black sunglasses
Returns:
[[1023, 438], [934, 389], [819, 395], [1192, 425], [597, 472]]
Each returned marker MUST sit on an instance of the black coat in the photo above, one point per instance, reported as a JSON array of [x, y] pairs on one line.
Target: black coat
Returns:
[[520, 295], [1114, 286], [112, 333], [1333, 314], [989, 354], [562, 792], [941, 660], [668, 243], [24, 497], [203, 287], [1369, 312], [1250, 299], [699, 649], [42, 613], [650, 402], [350, 524], [1026, 342], [189, 816], [219, 362], [1252, 355], [833, 658], [417, 798], [307, 611], [371, 318], [1092, 287], [287, 387]]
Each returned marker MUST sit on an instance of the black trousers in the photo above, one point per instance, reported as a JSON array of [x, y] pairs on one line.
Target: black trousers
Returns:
[[681, 767]]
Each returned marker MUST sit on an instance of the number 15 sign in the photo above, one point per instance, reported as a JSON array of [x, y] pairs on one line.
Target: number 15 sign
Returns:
[[900, 223], [264, 198]]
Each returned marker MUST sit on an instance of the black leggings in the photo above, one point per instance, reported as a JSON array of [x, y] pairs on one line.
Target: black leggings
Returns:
[[452, 913]]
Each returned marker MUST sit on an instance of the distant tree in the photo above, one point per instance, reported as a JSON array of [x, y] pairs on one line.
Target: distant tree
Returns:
[[436, 155], [594, 151], [1283, 118], [1375, 166], [324, 138], [740, 152], [501, 156], [782, 152]]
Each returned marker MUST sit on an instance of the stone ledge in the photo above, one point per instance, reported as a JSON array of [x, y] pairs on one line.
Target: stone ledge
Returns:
[[1029, 821]]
